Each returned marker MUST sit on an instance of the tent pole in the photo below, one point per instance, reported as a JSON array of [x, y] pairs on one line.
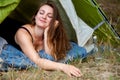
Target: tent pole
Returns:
[[107, 21], [97, 26]]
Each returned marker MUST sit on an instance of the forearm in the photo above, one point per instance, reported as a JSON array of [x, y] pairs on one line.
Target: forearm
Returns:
[[49, 65], [68, 69]]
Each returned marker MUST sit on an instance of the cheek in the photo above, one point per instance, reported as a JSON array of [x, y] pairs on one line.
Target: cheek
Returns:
[[49, 21], [35, 18]]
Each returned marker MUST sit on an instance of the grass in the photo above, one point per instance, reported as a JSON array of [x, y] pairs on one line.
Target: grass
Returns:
[[93, 68], [106, 68]]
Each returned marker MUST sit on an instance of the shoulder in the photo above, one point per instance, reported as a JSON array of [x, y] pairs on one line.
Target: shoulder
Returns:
[[21, 30], [22, 35]]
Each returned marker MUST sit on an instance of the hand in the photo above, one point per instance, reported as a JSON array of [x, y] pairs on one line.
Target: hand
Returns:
[[56, 23], [45, 31], [71, 70]]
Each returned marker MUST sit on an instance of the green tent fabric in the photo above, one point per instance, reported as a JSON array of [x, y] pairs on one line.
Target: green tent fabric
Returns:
[[85, 9], [89, 11], [6, 6]]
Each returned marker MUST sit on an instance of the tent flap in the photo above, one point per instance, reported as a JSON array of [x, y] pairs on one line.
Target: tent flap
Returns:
[[6, 6], [81, 28]]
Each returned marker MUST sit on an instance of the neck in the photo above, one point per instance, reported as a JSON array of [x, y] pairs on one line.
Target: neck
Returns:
[[38, 32]]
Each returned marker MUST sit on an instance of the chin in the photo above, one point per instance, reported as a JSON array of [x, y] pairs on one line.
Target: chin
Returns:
[[42, 26]]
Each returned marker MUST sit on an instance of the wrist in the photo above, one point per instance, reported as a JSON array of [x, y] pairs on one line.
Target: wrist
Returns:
[[61, 66]]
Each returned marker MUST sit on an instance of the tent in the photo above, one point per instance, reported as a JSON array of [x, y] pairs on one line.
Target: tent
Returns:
[[82, 19]]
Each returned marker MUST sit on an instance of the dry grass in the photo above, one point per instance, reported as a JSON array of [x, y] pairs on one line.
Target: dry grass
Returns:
[[112, 10], [106, 68]]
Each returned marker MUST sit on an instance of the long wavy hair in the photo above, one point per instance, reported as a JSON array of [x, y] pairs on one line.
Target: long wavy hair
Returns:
[[56, 39]]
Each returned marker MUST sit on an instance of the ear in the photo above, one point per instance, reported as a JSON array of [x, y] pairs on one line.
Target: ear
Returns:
[[56, 23]]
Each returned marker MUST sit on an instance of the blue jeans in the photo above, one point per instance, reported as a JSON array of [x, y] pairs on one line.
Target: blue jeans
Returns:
[[14, 58]]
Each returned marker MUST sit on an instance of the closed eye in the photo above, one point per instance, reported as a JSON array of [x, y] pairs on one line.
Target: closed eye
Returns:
[[42, 12], [50, 15]]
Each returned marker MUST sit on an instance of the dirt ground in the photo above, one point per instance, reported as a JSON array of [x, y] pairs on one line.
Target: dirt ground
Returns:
[[106, 67]]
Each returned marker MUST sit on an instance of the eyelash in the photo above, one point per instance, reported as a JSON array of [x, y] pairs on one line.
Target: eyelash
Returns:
[[41, 13], [48, 15]]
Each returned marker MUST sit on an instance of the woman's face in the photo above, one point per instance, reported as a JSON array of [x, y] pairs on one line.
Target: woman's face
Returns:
[[44, 16]]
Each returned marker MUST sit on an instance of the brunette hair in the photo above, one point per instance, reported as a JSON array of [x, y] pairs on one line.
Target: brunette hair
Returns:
[[57, 38]]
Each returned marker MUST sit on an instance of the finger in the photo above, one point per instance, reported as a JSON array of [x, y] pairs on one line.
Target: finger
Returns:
[[56, 23], [76, 72]]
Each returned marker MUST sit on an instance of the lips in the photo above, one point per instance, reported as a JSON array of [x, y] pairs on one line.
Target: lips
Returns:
[[43, 21]]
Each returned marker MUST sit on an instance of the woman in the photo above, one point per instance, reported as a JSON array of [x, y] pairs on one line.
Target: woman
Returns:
[[44, 43]]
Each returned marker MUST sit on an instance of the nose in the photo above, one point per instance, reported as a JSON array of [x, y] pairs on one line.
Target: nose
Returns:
[[44, 16]]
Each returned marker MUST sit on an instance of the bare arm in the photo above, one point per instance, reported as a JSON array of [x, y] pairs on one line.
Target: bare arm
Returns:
[[24, 41]]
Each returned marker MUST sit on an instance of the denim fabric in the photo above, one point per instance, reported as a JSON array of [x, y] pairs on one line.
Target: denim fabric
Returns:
[[76, 52], [15, 58], [45, 55], [2, 43]]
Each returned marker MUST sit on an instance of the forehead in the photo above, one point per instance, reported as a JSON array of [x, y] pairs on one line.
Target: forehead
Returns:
[[46, 8]]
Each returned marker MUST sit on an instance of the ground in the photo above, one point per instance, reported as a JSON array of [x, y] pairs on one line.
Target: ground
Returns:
[[100, 66]]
